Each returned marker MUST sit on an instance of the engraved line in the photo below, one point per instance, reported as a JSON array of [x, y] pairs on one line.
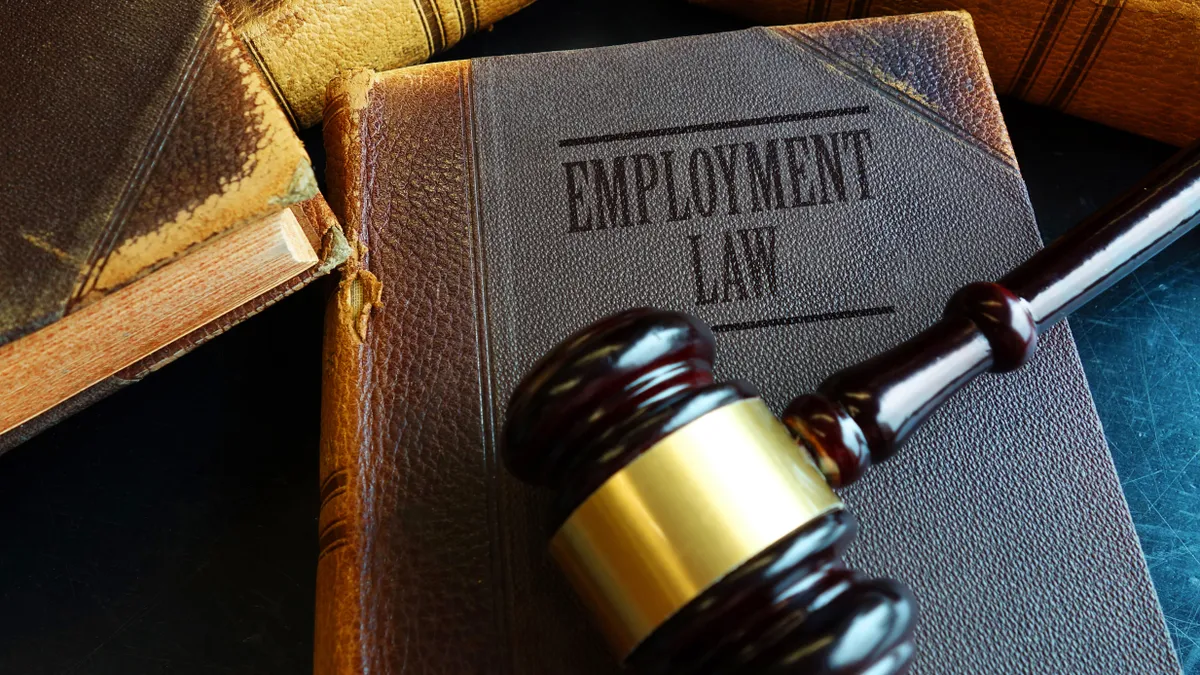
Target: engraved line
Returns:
[[1096, 55], [853, 71], [257, 58], [336, 522], [859, 9], [804, 319], [333, 495], [164, 125], [434, 18], [1073, 60], [1039, 48], [1105, 18], [418, 5], [332, 477], [333, 546], [462, 30], [714, 126], [470, 16], [338, 476], [466, 17], [498, 543], [334, 532]]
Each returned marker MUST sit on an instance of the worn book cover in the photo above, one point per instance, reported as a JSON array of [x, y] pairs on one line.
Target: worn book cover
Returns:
[[145, 132], [1131, 64], [137, 138], [814, 193]]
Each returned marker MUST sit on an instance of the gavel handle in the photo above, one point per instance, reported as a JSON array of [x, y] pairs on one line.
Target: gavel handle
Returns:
[[861, 415]]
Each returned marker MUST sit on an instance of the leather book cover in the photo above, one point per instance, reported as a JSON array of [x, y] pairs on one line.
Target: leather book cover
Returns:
[[143, 134], [1130, 64], [815, 193], [303, 44]]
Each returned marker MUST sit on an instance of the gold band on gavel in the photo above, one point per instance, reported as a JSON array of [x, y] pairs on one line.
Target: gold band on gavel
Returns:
[[691, 509]]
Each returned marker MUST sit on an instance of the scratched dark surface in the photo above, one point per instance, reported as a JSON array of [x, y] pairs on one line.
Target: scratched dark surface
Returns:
[[172, 527]]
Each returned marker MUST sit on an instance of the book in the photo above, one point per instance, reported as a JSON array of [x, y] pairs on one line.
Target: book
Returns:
[[814, 209], [149, 133], [303, 44], [155, 187], [1130, 64]]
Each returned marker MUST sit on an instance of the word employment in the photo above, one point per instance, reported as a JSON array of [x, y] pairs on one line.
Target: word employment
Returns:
[[721, 180]]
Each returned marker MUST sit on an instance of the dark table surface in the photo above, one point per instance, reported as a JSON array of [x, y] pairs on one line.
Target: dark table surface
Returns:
[[172, 527]]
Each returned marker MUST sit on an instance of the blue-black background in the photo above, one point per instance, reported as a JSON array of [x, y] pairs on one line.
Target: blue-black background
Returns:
[[172, 527]]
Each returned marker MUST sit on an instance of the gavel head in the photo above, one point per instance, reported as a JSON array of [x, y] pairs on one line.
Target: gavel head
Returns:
[[700, 535]]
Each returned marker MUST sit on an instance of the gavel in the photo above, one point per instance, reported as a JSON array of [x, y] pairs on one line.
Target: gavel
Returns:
[[704, 534]]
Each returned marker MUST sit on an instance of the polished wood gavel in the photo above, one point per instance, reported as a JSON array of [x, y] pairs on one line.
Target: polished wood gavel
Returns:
[[703, 534]]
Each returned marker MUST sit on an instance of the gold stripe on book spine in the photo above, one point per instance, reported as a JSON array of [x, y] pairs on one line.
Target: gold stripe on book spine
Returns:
[[693, 508]]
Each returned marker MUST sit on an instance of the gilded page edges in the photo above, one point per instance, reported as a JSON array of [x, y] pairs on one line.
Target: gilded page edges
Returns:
[[323, 232], [953, 88]]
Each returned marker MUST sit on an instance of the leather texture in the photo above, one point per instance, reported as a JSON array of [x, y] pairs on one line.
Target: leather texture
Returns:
[[1131, 64], [1004, 515], [304, 44], [75, 160], [898, 54], [122, 170], [141, 136], [229, 157]]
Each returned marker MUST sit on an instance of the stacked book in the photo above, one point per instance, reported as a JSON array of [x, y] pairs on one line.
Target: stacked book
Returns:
[[157, 192]]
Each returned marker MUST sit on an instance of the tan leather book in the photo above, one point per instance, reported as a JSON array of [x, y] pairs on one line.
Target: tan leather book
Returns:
[[303, 44], [786, 187], [1130, 64], [155, 193]]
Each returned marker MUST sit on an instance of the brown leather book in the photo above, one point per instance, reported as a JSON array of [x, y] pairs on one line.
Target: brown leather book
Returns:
[[303, 44], [148, 132], [1131, 64], [789, 188], [155, 194]]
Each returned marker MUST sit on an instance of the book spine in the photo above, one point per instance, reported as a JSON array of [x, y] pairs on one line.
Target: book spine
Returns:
[[339, 589], [303, 44], [1130, 64]]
